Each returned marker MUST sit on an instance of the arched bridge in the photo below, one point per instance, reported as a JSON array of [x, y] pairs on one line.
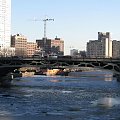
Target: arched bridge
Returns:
[[9, 64], [6, 68]]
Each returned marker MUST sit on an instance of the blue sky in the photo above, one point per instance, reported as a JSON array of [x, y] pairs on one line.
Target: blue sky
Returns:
[[76, 21]]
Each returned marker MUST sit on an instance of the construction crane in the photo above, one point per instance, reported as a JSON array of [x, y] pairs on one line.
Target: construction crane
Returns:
[[45, 22], [45, 38]]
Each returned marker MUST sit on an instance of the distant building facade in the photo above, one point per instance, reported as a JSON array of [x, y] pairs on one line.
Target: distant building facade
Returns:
[[73, 52], [101, 48], [44, 44], [116, 49], [57, 46], [51, 46], [23, 48], [31, 48], [82, 54], [20, 43]]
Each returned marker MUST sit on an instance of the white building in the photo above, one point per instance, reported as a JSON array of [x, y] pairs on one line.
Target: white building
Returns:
[[101, 48], [5, 24]]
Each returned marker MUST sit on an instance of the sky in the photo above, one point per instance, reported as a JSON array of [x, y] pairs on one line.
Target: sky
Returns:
[[75, 21]]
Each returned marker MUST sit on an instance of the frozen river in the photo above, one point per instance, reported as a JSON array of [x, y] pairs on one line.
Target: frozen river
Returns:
[[61, 98]]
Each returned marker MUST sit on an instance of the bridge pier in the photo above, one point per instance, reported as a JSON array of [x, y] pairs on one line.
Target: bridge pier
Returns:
[[5, 81], [117, 77], [6, 75]]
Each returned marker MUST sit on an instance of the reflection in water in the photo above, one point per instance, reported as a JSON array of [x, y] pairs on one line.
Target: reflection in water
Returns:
[[66, 91], [108, 78], [107, 102], [97, 73], [55, 81], [4, 115]]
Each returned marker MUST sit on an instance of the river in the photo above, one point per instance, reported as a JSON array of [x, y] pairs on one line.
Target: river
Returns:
[[61, 98]]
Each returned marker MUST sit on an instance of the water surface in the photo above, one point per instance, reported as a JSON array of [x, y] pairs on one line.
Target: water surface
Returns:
[[59, 97]]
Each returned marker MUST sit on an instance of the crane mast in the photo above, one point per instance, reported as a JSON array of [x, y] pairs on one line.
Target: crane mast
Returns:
[[45, 37], [45, 21]]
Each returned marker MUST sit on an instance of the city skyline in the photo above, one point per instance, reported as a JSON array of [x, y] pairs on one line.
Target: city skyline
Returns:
[[76, 22]]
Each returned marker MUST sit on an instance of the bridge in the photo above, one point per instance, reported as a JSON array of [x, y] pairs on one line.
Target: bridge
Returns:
[[7, 65], [52, 62], [61, 59]]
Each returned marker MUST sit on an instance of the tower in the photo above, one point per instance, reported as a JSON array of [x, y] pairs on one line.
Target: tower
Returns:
[[106, 43], [5, 23]]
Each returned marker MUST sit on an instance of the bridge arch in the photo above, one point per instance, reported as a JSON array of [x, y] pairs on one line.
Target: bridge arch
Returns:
[[86, 65], [113, 67], [36, 63], [60, 64]]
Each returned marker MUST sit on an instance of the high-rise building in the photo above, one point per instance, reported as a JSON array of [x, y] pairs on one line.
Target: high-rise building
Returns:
[[101, 48], [107, 43], [95, 49], [5, 23]]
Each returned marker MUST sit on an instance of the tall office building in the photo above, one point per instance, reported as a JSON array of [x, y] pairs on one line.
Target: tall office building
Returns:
[[5, 23], [101, 48], [107, 43]]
